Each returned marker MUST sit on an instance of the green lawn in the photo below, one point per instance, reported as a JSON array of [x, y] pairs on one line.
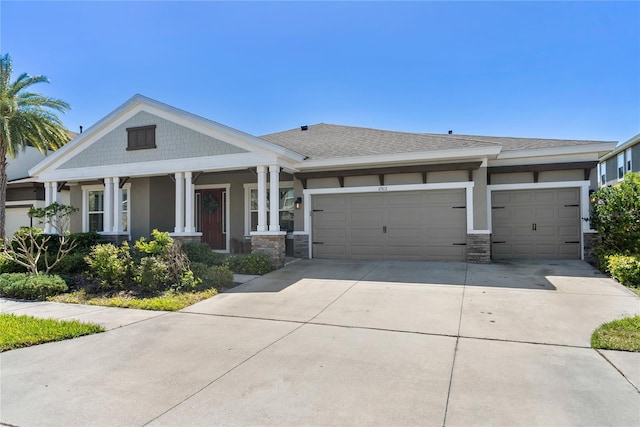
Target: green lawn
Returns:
[[24, 331], [168, 301], [623, 334]]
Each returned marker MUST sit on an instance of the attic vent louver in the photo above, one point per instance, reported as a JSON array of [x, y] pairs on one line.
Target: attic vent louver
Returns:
[[304, 127]]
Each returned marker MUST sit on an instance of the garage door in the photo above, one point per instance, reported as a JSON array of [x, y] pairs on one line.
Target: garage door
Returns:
[[536, 223], [16, 217], [412, 225]]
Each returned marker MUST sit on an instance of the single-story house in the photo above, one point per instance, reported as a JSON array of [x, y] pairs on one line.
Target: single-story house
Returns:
[[340, 191], [625, 158], [24, 192]]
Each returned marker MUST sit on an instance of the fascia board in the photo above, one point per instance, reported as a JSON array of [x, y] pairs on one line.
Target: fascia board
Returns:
[[556, 151], [400, 158], [622, 147], [161, 167], [585, 157]]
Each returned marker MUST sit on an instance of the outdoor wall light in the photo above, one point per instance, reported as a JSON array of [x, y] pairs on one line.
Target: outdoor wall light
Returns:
[[592, 196], [298, 202]]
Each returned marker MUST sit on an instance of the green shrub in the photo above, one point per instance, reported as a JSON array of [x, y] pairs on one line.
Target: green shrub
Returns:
[[249, 264], [29, 286], [111, 265], [616, 215], [8, 266], [73, 263], [216, 276], [158, 245], [625, 269], [202, 253], [152, 275]]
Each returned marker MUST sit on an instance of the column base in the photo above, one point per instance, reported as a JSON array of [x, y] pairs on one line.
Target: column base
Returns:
[[589, 243], [272, 244], [479, 248], [187, 237]]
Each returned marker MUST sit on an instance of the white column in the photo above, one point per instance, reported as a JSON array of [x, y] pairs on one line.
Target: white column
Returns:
[[274, 198], [262, 198], [47, 202], [54, 192], [107, 216], [179, 228], [188, 201], [117, 206]]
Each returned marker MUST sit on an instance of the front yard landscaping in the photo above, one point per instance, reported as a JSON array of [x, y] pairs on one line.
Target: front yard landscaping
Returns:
[[25, 331], [154, 274], [616, 215]]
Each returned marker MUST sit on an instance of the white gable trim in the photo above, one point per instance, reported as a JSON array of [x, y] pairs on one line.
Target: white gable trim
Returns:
[[140, 103]]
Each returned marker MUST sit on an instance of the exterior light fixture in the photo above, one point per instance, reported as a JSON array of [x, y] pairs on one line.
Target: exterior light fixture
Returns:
[[298, 202], [592, 196]]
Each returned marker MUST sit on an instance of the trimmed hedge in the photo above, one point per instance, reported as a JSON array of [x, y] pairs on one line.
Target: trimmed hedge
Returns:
[[216, 276], [625, 269], [250, 264], [28, 286], [202, 253]]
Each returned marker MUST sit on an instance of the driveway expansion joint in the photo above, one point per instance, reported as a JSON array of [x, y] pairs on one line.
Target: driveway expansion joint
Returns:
[[616, 368]]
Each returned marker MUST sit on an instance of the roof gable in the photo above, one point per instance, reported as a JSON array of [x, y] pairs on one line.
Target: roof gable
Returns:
[[182, 136]]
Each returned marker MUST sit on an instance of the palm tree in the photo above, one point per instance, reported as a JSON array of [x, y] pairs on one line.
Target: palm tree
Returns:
[[26, 119]]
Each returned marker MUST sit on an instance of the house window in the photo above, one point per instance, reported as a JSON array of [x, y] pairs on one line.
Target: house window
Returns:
[[94, 209], [286, 203], [620, 166], [141, 138], [628, 162], [603, 173]]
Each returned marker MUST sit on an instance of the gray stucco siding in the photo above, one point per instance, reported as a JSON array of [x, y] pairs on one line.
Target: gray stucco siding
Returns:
[[635, 158], [173, 141]]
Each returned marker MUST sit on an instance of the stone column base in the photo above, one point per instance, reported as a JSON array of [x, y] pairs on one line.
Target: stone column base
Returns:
[[301, 245], [589, 243], [479, 248], [187, 237], [272, 244]]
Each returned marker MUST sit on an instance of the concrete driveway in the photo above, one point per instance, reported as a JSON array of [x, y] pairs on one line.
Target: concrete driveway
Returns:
[[349, 343]]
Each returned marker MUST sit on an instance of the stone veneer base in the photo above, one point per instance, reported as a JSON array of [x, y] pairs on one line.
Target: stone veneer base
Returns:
[[273, 245], [590, 241], [479, 248]]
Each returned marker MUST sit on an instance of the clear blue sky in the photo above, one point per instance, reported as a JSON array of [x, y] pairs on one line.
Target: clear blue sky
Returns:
[[531, 69]]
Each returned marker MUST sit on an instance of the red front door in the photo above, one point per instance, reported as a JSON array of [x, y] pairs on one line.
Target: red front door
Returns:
[[211, 206]]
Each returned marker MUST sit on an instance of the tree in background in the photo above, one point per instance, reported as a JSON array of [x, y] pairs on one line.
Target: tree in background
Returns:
[[26, 118]]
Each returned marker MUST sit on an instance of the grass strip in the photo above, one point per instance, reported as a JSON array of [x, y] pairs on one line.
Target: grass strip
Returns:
[[622, 334], [25, 331], [169, 301]]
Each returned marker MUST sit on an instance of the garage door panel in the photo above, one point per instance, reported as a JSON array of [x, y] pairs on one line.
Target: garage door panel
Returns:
[[393, 225], [536, 223], [330, 251]]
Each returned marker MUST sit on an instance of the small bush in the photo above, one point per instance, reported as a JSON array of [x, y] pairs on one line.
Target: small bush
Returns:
[[29, 286], [202, 253], [111, 265], [8, 266], [73, 263], [152, 275], [216, 276], [249, 264], [625, 269]]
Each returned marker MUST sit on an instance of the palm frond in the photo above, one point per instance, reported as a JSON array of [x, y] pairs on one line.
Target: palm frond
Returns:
[[23, 81]]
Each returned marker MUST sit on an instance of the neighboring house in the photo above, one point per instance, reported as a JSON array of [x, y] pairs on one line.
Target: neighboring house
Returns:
[[24, 192], [327, 191], [616, 164]]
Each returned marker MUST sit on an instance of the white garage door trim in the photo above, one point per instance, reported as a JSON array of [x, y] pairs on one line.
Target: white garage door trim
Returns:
[[309, 193], [584, 200]]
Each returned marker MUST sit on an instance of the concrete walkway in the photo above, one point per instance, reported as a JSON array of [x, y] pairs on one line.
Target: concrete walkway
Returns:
[[343, 343]]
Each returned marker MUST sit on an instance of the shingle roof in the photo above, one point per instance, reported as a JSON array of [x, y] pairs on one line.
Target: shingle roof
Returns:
[[325, 141]]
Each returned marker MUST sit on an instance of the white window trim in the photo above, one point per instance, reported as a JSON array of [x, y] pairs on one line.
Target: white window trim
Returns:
[[602, 176], [620, 164], [226, 187], [584, 201], [628, 161], [247, 202], [85, 206]]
